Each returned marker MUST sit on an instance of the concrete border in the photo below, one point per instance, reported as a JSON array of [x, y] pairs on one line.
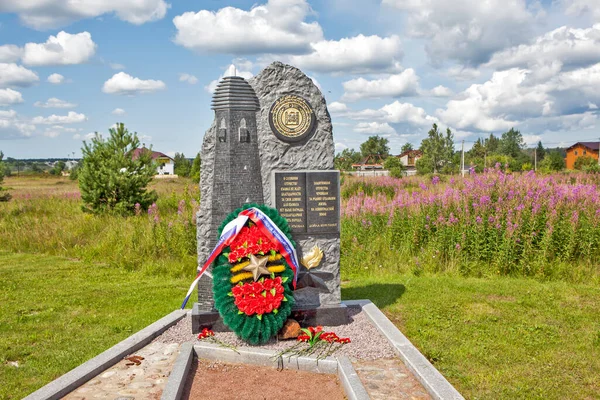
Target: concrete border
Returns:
[[431, 379], [179, 373], [86, 371], [351, 383]]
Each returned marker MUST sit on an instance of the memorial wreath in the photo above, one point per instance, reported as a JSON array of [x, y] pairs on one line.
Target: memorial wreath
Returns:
[[254, 272]]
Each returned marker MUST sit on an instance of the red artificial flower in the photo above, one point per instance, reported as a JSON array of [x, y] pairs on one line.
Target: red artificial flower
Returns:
[[329, 337], [343, 340], [303, 338], [205, 333], [249, 241], [257, 297]]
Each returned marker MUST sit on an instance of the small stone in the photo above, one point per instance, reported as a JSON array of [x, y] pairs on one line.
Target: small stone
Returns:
[[108, 374], [13, 364], [290, 330]]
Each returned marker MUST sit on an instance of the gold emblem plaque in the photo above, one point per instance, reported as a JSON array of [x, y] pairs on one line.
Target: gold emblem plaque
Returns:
[[291, 118]]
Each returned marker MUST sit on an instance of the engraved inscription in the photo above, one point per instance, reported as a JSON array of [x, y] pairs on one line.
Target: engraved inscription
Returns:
[[309, 200], [323, 202], [291, 199]]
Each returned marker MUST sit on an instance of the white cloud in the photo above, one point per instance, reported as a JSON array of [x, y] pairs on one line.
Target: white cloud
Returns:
[[16, 75], [62, 49], [230, 71], [122, 83], [498, 103], [468, 31], [394, 113], [56, 79], [398, 85], [592, 106], [53, 102], [376, 128], [463, 73], [9, 53], [582, 7], [440, 91], [9, 97], [191, 79], [118, 111], [567, 46], [116, 66], [358, 54], [397, 112], [339, 146], [71, 118], [54, 13], [12, 126], [337, 107], [87, 136], [531, 139], [275, 27]]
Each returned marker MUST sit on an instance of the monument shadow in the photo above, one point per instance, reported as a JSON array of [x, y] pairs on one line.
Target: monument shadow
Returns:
[[381, 294]]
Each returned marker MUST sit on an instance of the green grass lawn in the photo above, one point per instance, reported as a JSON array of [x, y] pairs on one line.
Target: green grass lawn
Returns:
[[56, 313], [499, 338]]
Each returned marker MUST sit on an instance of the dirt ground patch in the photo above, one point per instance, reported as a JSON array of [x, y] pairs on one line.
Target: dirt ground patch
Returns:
[[214, 380]]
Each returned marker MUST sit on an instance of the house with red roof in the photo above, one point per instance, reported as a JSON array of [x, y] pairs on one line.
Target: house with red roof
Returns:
[[165, 164]]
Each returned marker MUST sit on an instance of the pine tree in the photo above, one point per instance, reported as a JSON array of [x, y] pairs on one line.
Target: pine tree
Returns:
[[110, 179], [182, 165], [4, 195], [195, 171], [437, 151]]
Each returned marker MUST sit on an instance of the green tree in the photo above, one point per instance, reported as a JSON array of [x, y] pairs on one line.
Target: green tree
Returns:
[[438, 151], [492, 144], [110, 179], [195, 170], [183, 166], [375, 146], [512, 143], [586, 163], [406, 147], [58, 168], [478, 150], [343, 161], [4, 195], [541, 152], [553, 161], [394, 165]]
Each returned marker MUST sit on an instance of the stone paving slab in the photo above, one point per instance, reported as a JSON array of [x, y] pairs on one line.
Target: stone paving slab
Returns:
[[387, 379], [128, 382]]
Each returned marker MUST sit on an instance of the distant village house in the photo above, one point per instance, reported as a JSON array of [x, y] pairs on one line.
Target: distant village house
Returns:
[[581, 149], [409, 160], [165, 164]]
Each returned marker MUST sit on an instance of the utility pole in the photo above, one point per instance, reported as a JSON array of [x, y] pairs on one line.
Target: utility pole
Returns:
[[535, 159], [485, 160], [462, 163]]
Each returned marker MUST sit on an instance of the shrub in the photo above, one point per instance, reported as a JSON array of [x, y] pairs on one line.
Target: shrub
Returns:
[[586, 163], [395, 167], [4, 195], [110, 179]]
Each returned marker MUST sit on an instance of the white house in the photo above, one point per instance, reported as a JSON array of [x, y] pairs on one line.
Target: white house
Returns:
[[409, 160], [165, 164]]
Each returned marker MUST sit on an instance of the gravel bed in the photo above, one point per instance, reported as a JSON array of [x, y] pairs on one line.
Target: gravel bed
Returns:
[[366, 341]]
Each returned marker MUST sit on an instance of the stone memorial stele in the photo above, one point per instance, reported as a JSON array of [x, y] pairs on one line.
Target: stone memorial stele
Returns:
[[272, 143]]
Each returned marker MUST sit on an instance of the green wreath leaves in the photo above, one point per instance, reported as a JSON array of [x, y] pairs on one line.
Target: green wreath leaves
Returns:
[[249, 327]]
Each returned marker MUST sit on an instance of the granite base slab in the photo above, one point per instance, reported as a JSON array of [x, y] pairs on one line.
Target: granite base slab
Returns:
[[329, 315]]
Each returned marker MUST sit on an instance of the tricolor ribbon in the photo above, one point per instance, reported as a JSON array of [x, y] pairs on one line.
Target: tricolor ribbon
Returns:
[[233, 228]]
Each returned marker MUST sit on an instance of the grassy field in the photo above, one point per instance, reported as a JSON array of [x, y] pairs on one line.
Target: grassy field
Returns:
[[73, 284], [56, 313], [500, 338]]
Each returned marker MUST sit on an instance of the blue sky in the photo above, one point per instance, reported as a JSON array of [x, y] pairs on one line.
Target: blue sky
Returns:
[[386, 67]]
